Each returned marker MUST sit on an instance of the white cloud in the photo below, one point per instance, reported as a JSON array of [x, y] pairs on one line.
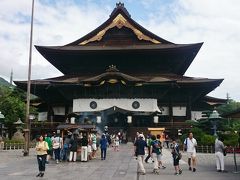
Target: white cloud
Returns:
[[214, 22], [56, 24]]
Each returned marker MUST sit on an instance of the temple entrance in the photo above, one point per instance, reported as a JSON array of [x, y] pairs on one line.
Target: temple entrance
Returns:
[[117, 121]]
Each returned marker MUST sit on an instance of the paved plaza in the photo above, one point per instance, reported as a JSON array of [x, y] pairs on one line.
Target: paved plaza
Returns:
[[118, 166]]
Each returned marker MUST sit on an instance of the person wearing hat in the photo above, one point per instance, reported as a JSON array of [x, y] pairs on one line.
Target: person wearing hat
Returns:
[[139, 151]]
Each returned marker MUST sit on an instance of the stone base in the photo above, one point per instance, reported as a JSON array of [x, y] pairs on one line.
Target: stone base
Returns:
[[18, 136]]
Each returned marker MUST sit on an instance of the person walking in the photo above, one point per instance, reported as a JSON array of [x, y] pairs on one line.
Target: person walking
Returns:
[[219, 149], [103, 146], [160, 154], [139, 151], [167, 140], [41, 150], [149, 140], [84, 149], [176, 157], [66, 146], [94, 145], [190, 145], [73, 148], [116, 143], [155, 151], [57, 145]]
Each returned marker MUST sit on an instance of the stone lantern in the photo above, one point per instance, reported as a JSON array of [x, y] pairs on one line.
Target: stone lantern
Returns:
[[18, 135]]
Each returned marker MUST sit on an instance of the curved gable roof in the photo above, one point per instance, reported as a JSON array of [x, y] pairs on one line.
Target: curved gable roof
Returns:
[[119, 18]]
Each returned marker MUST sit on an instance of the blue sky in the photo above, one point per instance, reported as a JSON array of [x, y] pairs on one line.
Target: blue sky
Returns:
[[58, 22]]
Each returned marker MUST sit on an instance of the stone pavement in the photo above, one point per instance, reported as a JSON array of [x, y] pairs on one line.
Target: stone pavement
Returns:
[[118, 166]]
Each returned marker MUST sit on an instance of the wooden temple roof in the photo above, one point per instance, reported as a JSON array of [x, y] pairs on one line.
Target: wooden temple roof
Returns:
[[233, 114], [108, 75], [114, 84], [123, 42], [151, 67], [214, 101]]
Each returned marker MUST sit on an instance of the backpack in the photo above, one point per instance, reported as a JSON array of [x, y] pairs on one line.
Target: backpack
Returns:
[[185, 147], [156, 147]]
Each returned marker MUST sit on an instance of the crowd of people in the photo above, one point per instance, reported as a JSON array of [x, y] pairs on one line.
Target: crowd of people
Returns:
[[73, 145], [85, 145], [154, 147]]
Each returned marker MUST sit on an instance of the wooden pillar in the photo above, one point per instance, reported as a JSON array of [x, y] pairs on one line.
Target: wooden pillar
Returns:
[[170, 106], [189, 108], [50, 114], [66, 112]]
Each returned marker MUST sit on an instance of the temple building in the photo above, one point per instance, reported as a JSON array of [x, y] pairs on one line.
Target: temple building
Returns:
[[122, 76]]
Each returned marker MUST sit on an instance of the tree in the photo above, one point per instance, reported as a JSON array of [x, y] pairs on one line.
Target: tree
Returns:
[[12, 105], [229, 107], [225, 127]]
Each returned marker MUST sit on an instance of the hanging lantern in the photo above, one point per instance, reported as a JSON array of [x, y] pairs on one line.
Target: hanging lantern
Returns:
[[129, 119], [99, 119], [72, 120], [155, 119]]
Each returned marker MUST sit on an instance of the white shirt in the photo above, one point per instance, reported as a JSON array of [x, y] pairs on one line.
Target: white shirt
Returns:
[[58, 140], [191, 144]]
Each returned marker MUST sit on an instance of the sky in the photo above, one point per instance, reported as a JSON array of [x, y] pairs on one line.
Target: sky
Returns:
[[59, 22]]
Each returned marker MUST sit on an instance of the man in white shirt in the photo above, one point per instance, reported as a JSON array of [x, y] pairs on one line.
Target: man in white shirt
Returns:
[[190, 145]]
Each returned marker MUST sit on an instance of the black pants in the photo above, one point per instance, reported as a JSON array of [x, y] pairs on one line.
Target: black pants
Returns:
[[41, 162], [148, 156], [57, 154], [103, 153], [176, 161]]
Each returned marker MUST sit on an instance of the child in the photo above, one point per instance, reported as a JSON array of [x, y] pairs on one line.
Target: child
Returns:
[[176, 157], [116, 145], [159, 155]]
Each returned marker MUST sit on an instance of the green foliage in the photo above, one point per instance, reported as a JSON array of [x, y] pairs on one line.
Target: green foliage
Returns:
[[12, 106], [235, 124], [3, 82], [230, 138], [226, 108], [207, 139], [197, 133]]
